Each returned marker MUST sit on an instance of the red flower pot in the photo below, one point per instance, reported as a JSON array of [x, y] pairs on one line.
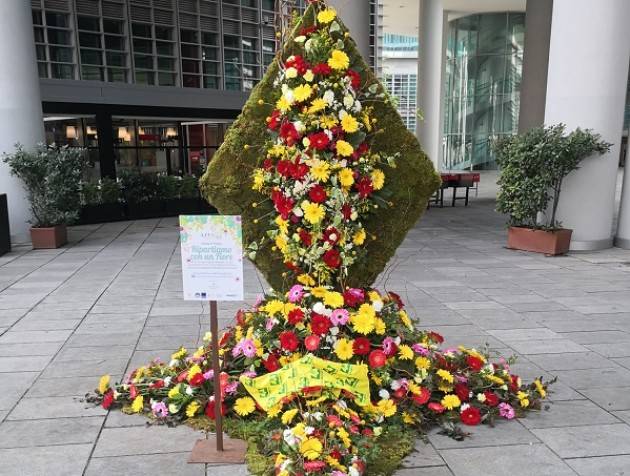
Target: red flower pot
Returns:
[[539, 241], [49, 237]]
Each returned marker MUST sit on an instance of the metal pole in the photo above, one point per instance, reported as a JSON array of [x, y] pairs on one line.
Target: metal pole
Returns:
[[214, 329]]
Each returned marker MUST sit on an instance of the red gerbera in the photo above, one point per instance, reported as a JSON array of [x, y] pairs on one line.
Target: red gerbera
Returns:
[[475, 363], [346, 211], [492, 399], [298, 63], [283, 204], [295, 315], [322, 68], [305, 237], [273, 121], [319, 140], [289, 341], [298, 170], [377, 359], [196, 380], [312, 342], [284, 168], [289, 133], [435, 337], [436, 407], [210, 408], [462, 391], [361, 346], [317, 194], [332, 258], [364, 186], [355, 78], [267, 164], [319, 324], [108, 399], [353, 297], [471, 416], [331, 235], [422, 397], [271, 363]]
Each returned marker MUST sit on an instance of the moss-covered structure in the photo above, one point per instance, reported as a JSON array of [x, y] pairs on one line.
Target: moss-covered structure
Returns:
[[227, 183]]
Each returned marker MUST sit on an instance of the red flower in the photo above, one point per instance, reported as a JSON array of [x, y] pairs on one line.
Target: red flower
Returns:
[[355, 78], [319, 324], [210, 409], [514, 386], [157, 384], [271, 363], [436, 407], [322, 68], [332, 258], [267, 164], [305, 237], [197, 380], [289, 133], [346, 211], [317, 194], [319, 140], [108, 399], [331, 235], [312, 342], [377, 359], [475, 363], [435, 337], [298, 63], [471, 416], [289, 341], [307, 30], [295, 315], [133, 392], [361, 346], [284, 168], [273, 121], [314, 466], [396, 298], [462, 391], [298, 170], [364, 186], [283, 204], [423, 397], [360, 151], [353, 297], [400, 392], [492, 399]]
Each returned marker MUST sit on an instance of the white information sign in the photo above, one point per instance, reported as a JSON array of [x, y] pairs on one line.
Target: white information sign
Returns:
[[212, 257]]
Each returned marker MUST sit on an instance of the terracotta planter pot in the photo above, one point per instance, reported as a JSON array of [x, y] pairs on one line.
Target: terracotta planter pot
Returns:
[[539, 241], [52, 237]]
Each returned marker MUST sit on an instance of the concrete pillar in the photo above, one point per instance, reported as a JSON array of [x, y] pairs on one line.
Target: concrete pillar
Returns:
[[431, 66], [589, 51], [20, 104], [622, 239], [356, 16], [535, 64]]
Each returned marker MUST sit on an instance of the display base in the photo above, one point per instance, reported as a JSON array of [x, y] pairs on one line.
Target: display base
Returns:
[[205, 451]]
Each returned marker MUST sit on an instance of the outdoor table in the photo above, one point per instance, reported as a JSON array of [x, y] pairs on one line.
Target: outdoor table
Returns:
[[456, 179]]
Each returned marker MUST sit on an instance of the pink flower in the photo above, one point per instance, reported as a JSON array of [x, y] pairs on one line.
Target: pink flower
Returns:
[[338, 473], [269, 324], [296, 293], [249, 374], [249, 348], [259, 300], [231, 387], [209, 375], [389, 346], [159, 409], [314, 466], [420, 349], [506, 411], [339, 317]]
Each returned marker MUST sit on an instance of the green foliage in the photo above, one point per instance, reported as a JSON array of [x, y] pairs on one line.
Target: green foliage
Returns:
[[533, 166], [228, 180], [189, 187], [52, 178], [106, 190], [138, 187], [167, 186]]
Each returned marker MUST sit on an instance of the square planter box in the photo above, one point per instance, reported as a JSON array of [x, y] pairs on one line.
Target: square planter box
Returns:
[[102, 213], [50, 237], [148, 209], [539, 241]]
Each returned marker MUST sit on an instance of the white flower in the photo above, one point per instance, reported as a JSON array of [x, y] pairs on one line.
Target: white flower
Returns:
[[352, 471], [357, 106], [291, 73], [348, 101], [167, 381], [329, 134], [481, 397], [299, 126], [309, 430], [300, 39], [378, 305], [306, 142], [334, 330], [319, 307], [353, 216], [343, 113], [318, 416], [297, 211], [329, 97], [289, 438], [464, 406], [173, 363], [309, 44], [189, 390], [384, 394]]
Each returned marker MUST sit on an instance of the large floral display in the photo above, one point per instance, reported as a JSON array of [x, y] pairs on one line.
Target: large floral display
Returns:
[[323, 376]]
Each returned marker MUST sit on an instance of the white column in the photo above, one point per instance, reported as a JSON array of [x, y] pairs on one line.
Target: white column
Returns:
[[586, 87], [355, 14], [622, 240], [20, 104], [431, 63]]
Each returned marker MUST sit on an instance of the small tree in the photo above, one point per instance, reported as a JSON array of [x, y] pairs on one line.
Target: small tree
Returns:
[[52, 178], [533, 167]]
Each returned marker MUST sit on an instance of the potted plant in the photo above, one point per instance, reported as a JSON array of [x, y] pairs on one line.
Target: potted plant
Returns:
[[52, 178], [102, 201], [142, 195], [533, 166]]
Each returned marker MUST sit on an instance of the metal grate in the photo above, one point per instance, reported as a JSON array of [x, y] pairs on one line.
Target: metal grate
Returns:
[[163, 17], [188, 6], [36, 4], [140, 13], [168, 4], [250, 30], [209, 24], [231, 12], [61, 5], [187, 20], [207, 8], [113, 10], [250, 15]]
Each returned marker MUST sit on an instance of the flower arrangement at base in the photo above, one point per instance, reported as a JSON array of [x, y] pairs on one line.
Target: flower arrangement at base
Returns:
[[322, 376]]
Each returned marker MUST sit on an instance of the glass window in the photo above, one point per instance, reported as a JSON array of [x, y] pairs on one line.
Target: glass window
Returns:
[[91, 40], [57, 19], [191, 81], [164, 48], [189, 36], [145, 77], [142, 46], [210, 38], [114, 43], [210, 54], [166, 79], [37, 17], [88, 23], [189, 66], [163, 33], [231, 41], [210, 68], [116, 75], [91, 57], [92, 73], [190, 51], [61, 55], [39, 35], [211, 82], [62, 71], [115, 59], [143, 62], [166, 64], [141, 29], [233, 84], [113, 26], [59, 37]]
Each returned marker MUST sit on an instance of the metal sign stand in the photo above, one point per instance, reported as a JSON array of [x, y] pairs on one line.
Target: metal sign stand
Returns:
[[214, 449]]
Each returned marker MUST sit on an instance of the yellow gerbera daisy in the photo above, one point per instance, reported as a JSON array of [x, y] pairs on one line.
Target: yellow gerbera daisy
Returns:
[[328, 122], [320, 170], [138, 404], [103, 384], [313, 212], [404, 317], [274, 306], [317, 105], [326, 16], [311, 448], [445, 375], [344, 149], [363, 323], [288, 416], [386, 407], [302, 92], [333, 299], [343, 349], [359, 237], [378, 179], [349, 124], [192, 408], [405, 352], [379, 326], [338, 60], [423, 363], [450, 401], [346, 178], [244, 406], [283, 104]]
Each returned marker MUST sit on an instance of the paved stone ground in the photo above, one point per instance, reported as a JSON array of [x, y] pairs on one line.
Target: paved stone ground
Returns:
[[111, 300]]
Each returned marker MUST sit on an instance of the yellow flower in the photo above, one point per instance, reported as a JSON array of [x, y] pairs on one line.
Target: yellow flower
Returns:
[[103, 384], [450, 401], [274, 411], [173, 392], [192, 409], [343, 349], [319, 292], [495, 379], [138, 404], [367, 310], [328, 122], [320, 170], [244, 406], [346, 178], [281, 242], [404, 317], [359, 237], [283, 104], [305, 280], [326, 16], [283, 225], [259, 180], [311, 448], [309, 76], [333, 299], [408, 419], [405, 352], [317, 105], [539, 388], [302, 92], [180, 354], [378, 179], [423, 363], [277, 150], [313, 212], [379, 326], [338, 60], [445, 375], [363, 323], [344, 436], [194, 370], [524, 402], [349, 124], [344, 149], [386, 407], [288, 416], [273, 307]]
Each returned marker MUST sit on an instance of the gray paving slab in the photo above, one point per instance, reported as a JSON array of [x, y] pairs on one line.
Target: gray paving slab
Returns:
[[138, 440], [503, 433], [147, 465], [58, 431], [579, 442], [53, 407], [609, 398], [569, 413], [66, 460], [601, 465]]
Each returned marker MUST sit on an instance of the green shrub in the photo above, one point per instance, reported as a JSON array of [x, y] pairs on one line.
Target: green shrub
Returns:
[[52, 178], [90, 193], [533, 166], [110, 190], [167, 186], [138, 187], [189, 187]]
